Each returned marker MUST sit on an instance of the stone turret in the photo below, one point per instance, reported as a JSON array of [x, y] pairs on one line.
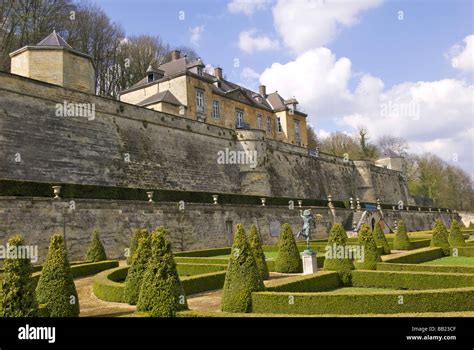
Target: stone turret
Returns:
[[54, 61]]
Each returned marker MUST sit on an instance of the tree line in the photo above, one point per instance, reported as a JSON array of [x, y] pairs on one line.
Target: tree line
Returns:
[[120, 60], [427, 174]]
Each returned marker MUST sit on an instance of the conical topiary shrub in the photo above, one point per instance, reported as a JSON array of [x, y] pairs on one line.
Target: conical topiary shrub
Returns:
[[161, 292], [56, 285], [288, 259], [17, 290], [137, 234], [401, 240], [258, 254], [380, 238], [336, 258], [455, 237], [242, 277], [370, 255], [137, 270], [440, 237], [96, 251]]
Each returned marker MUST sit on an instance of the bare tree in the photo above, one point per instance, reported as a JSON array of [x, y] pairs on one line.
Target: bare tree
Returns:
[[396, 144]]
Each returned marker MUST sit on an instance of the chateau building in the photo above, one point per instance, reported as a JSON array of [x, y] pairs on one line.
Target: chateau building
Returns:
[[182, 87]]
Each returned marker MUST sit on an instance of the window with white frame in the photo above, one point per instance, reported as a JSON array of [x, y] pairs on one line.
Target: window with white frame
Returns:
[[216, 109], [200, 100], [259, 121], [239, 116], [297, 132], [269, 124], [280, 129]]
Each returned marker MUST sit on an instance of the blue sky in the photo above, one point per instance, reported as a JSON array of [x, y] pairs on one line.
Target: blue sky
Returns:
[[344, 60]]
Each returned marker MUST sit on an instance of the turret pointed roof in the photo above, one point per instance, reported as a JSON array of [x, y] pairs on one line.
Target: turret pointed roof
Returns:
[[54, 39]]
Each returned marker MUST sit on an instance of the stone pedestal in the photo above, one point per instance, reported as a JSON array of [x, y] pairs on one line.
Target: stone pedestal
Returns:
[[310, 264]]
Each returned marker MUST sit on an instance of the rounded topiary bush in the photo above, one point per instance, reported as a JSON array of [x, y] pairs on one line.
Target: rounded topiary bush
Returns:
[[380, 238], [137, 234], [455, 238], [336, 257], [137, 269], [370, 255], [56, 285], [161, 292], [401, 240], [440, 237], [288, 259], [242, 277], [17, 290], [96, 251], [257, 250]]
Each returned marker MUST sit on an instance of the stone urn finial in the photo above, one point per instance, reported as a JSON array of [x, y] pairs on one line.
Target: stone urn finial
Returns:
[[351, 201], [359, 208], [215, 197], [263, 201], [56, 191], [150, 196]]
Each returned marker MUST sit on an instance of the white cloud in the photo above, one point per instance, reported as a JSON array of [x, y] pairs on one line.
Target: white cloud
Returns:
[[195, 34], [317, 79], [462, 56], [433, 116], [304, 25], [249, 78], [247, 7], [249, 42]]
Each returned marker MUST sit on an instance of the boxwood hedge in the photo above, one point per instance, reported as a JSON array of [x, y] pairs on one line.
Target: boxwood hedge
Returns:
[[424, 268], [411, 280], [317, 282], [441, 300], [416, 257], [109, 286], [42, 189]]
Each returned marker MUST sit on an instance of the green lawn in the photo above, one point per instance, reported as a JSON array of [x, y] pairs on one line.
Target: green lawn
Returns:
[[452, 261]]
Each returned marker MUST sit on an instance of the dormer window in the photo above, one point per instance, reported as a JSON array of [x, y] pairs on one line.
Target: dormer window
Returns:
[[151, 77], [199, 71]]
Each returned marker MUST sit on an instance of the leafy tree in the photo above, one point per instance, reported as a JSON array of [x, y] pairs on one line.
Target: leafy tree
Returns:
[[96, 251], [17, 290], [371, 255], [288, 259], [440, 236], [161, 292], [456, 238], [401, 240], [336, 258], [137, 269], [56, 285], [242, 277], [380, 238], [258, 254]]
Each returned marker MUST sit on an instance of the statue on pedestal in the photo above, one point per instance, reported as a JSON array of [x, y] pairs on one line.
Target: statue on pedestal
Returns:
[[308, 225]]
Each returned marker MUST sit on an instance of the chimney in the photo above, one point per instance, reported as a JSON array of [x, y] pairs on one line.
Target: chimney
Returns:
[[263, 90], [175, 55], [218, 73]]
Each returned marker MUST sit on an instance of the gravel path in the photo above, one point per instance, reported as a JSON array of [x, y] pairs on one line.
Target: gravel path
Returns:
[[91, 306]]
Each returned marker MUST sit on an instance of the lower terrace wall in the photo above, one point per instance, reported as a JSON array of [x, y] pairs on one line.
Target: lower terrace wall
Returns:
[[198, 226]]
